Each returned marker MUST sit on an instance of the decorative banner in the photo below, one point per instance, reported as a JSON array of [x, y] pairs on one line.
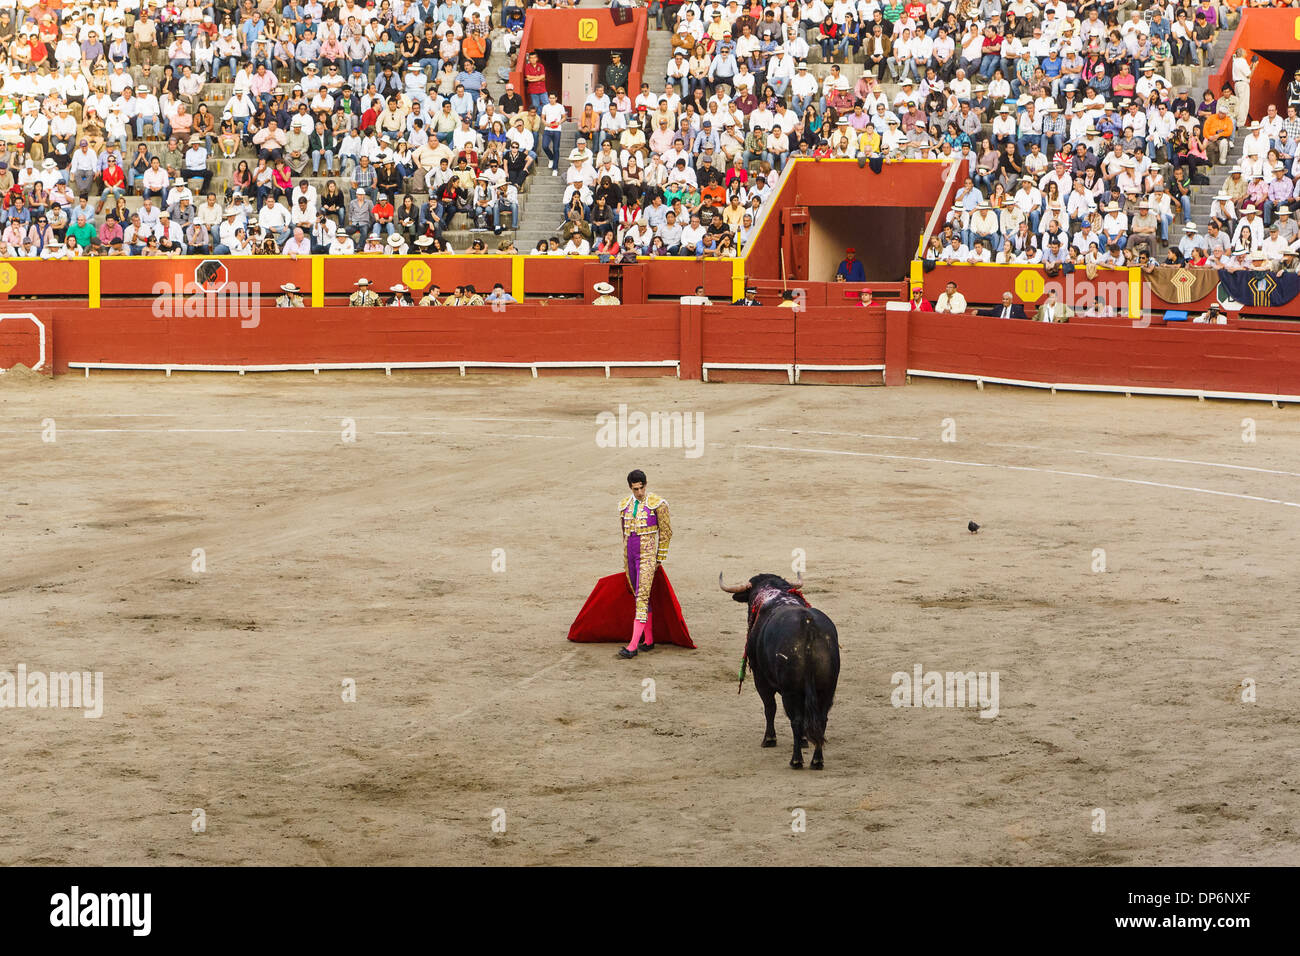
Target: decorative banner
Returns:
[[1178, 284], [1260, 290]]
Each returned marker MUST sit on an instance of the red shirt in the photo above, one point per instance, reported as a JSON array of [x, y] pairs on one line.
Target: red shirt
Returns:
[[534, 78], [922, 306], [113, 176], [383, 211]]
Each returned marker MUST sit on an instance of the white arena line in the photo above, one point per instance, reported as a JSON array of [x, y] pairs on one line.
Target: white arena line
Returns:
[[444, 418], [1044, 471], [1175, 461], [521, 683], [809, 431]]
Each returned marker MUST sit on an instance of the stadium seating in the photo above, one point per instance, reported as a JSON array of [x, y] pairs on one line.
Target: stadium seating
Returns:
[[1088, 135]]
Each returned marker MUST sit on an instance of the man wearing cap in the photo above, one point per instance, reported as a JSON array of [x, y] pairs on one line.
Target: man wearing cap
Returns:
[[364, 297], [1143, 229], [1280, 191], [750, 298], [605, 294], [851, 268], [195, 163], [144, 40], [341, 244], [1219, 128], [1190, 243], [291, 297]]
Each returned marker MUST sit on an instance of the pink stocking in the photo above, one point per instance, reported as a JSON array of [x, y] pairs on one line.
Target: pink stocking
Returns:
[[638, 629], [649, 629]]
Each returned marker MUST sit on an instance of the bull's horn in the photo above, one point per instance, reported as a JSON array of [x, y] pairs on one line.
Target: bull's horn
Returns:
[[732, 590]]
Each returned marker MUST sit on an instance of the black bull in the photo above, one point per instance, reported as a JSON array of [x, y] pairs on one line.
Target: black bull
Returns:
[[793, 650]]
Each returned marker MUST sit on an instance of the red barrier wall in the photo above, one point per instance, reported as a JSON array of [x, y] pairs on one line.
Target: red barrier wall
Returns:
[[43, 277], [344, 335], [1082, 352], [21, 342], [984, 284], [1191, 357], [138, 275]]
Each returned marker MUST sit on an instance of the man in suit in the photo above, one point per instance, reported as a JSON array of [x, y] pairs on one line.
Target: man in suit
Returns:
[[1051, 310], [1007, 310]]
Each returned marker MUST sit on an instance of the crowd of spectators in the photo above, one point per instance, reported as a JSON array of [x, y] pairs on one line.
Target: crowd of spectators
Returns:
[[1075, 144], [101, 100]]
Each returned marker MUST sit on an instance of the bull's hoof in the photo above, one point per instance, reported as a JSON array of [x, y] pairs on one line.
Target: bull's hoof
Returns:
[[769, 741], [817, 765], [796, 764]]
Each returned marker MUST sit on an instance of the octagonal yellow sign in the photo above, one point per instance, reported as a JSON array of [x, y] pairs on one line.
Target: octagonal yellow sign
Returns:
[[8, 277], [1030, 285], [416, 274]]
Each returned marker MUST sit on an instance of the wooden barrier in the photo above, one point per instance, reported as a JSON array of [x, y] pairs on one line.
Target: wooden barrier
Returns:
[[523, 335], [97, 281], [28, 340], [844, 344], [1198, 358]]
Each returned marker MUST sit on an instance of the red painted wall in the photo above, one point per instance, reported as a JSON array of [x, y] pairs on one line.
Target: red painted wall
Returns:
[[984, 284], [1082, 352], [839, 182], [557, 30], [1192, 357], [20, 342], [1262, 31], [522, 333], [23, 277]]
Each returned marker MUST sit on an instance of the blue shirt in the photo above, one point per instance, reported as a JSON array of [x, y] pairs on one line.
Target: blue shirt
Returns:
[[853, 271]]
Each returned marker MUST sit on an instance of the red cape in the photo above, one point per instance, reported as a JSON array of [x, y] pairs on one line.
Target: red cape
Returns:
[[609, 613]]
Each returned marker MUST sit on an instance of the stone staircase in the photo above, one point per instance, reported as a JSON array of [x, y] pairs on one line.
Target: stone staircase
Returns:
[[542, 217], [1203, 196], [658, 52]]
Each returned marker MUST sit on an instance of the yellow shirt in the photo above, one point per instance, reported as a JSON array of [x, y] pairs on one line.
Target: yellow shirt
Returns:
[[869, 141]]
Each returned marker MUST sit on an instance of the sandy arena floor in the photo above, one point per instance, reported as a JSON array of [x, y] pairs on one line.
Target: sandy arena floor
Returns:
[[373, 560]]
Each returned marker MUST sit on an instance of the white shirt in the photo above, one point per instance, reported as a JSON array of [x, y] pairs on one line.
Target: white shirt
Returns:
[[954, 303]]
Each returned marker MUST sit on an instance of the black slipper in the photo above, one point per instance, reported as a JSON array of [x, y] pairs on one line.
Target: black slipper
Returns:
[[627, 655]]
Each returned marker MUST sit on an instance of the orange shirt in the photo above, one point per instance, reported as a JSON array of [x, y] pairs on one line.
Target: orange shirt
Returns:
[[474, 47], [1217, 124]]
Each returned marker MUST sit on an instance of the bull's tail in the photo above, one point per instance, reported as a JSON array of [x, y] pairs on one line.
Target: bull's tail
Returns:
[[814, 721]]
